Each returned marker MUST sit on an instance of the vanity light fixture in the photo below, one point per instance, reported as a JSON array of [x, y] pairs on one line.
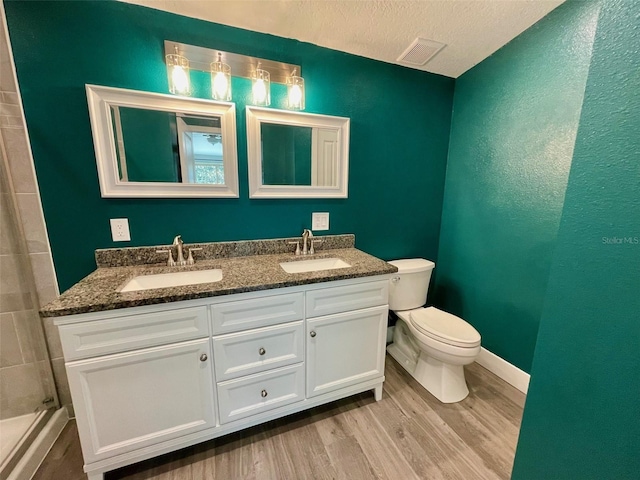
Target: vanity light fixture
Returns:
[[220, 80], [261, 86], [220, 65], [178, 73], [295, 91]]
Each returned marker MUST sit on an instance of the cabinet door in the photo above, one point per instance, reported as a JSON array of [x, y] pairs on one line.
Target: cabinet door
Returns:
[[345, 349], [131, 400]]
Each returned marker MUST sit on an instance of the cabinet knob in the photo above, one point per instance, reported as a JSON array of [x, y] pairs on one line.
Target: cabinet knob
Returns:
[[312, 333], [203, 357], [262, 351], [263, 393]]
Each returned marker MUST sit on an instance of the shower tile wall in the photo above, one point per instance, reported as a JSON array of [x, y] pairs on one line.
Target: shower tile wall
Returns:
[[22, 264]]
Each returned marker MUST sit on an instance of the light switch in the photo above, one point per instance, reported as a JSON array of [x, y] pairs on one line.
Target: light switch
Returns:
[[320, 221], [120, 230]]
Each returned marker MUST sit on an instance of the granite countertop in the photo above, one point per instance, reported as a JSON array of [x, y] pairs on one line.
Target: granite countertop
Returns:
[[99, 291]]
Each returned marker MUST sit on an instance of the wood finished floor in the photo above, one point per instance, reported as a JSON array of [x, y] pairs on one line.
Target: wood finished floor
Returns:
[[407, 435]]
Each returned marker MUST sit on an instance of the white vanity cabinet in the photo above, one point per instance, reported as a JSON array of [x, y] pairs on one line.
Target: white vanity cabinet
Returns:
[[346, 336], [345, 349], [149, 380], [131, 400], [139, 380]]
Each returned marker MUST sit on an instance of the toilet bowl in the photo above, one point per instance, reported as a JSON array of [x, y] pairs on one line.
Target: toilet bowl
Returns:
[[432, 345]]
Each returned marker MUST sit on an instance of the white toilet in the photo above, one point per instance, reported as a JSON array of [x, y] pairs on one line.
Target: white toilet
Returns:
[[430, 344]]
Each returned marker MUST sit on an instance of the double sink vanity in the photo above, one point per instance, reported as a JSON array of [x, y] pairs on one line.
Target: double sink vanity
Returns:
[[160, 358]]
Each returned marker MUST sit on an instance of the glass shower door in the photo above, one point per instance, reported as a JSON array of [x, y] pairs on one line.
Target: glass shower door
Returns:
[[27, 391]]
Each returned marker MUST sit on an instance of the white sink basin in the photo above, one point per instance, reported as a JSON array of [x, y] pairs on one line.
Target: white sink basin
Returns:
[[174, 279], [315, 265]]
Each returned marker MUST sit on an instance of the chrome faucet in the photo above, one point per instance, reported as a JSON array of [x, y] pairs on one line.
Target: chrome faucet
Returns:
[[179, 243], [306, 235]]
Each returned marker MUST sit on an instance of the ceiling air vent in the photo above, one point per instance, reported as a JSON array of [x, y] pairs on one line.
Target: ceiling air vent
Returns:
[[420, 52]]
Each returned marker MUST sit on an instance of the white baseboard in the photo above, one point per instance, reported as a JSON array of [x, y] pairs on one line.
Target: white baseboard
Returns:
[[503, 369], [33, 457]]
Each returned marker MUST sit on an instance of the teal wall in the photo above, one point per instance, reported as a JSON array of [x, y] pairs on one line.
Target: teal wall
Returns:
[[396, 184], [582, 416], [515, 117]]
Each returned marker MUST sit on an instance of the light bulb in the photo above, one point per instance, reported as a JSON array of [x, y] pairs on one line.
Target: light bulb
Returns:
[[295, 96], [180, 80], [178, 73], [295, 91], [259, 91], [220, 80], [220, 85], [261, 87]]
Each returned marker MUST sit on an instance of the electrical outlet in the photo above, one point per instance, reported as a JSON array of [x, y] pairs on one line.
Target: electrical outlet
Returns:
[[120, 230], [320, 221]]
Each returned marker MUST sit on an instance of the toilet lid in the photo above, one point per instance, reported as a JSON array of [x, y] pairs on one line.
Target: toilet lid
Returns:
[[444, 327]]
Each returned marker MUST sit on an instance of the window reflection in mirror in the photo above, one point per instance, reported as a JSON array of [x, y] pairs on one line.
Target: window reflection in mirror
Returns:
[[298, 155], [161, 146], [151, 145]]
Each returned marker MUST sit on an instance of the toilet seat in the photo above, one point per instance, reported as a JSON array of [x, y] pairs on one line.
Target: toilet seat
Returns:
[[444, 327]]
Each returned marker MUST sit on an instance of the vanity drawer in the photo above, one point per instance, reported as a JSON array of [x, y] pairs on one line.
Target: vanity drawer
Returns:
[[238, 354], [120, 334], [257, 312], [259, 393], [332, 300]]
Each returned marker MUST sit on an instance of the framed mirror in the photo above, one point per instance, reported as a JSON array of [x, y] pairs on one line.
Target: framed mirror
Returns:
[[155, 145], [297, 155]]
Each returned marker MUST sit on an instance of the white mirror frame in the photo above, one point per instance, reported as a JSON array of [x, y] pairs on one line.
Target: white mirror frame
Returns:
[[256, 116], [100, 100]]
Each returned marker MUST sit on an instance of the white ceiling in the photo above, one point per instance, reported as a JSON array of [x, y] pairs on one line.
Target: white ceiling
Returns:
[[379, 29]]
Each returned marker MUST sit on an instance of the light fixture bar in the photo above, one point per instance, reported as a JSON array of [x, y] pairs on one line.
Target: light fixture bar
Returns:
[[200, 58]]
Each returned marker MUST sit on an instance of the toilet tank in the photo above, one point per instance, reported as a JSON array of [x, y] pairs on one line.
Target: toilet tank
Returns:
[[408, 288]]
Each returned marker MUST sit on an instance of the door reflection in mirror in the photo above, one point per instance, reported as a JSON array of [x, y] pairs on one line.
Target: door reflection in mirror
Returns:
[[161, 146], [298, 155]]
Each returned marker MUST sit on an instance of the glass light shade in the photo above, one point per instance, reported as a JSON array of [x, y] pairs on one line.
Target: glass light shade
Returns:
[[295, 92], [261, 87], [220, 80], [178, 74]]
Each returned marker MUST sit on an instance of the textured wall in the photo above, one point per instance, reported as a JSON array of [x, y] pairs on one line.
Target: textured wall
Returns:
[[400, 121], [513, 130], [582, 417]]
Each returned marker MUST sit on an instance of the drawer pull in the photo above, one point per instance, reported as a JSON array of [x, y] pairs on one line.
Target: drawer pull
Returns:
[[203, 357], [262, 351], [263, 393], [312, 333]]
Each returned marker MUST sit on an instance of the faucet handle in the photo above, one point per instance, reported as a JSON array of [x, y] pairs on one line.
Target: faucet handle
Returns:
[[190, 260], [297, 244], [312, 250], [170, 262]]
